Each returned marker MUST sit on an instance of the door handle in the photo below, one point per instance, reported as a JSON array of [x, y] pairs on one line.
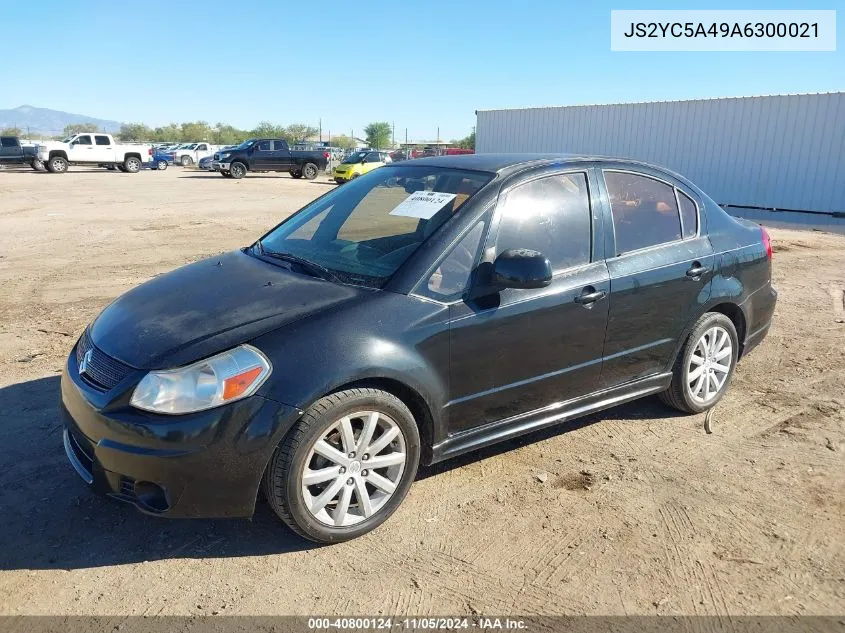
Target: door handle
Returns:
[[589, 296], [697, 270]]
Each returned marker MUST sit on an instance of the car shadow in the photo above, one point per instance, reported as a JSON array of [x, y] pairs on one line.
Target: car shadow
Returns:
[[217, 176], [52, 520]]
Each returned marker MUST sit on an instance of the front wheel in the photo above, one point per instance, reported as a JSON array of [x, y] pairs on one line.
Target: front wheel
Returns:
[[226, 174], [295, 174], [705, 365], [161, 165], [237, 170], [309, 170], [57, 165], [186, 161], [346, 465]]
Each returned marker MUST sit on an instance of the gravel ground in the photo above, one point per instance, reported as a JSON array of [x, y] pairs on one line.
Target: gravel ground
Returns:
[[633, 511]]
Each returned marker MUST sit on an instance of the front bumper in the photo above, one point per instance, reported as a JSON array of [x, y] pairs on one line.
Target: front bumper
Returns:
[[206, 464], [220, 166]]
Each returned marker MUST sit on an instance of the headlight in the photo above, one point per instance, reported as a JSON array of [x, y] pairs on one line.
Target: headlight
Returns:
[[223, 378], [222, 156]]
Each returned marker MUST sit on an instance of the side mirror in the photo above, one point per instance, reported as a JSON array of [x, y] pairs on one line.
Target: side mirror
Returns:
[[522, 268]]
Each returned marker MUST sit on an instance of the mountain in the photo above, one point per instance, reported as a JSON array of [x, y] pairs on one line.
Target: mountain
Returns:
[[49, 122]]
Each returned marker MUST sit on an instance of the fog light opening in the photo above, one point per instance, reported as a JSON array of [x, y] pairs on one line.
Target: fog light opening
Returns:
[[151, 496]]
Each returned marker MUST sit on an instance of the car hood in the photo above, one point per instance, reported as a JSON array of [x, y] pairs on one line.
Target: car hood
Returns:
[[207, 307]]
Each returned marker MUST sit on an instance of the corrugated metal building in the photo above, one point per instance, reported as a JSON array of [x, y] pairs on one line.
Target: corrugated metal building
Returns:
[[781, 152]]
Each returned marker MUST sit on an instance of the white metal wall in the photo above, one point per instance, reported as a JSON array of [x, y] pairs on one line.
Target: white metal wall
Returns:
[[782, 152]]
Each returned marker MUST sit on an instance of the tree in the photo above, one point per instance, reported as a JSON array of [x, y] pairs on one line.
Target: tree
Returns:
[[468, 142], [378, 134], [193, 132], [343, 142], [134, 132], [266, 129], [78, 128], [169, 133], [11, 131], [224, 134], [298, 132]]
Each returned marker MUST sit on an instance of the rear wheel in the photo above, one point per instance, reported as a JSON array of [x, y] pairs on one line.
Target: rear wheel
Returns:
[[309, 170], [237, 170], [132, 165], [705, 365], [57, 165], [161, 165], [346, 465]]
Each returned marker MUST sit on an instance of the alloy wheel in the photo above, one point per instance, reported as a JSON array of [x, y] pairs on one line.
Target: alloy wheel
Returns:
[[353, 468], [710, 364]]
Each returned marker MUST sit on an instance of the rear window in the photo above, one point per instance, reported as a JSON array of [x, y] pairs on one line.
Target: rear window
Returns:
[[8, 141]]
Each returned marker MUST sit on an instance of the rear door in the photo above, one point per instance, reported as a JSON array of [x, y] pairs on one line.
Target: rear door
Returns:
[[103, 150], [10, 150], [659, 275], [522, 350], [281, 156]]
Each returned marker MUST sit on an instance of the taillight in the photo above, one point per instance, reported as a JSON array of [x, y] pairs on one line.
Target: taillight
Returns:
[[325, 154], [150, 151], [767, 242]]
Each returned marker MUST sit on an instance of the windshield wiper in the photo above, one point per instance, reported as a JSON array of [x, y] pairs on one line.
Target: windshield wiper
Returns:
[[317, 269]]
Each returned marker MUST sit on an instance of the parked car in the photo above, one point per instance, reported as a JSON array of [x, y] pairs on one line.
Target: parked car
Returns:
[[269, 154], [161, 160], [358, 164], [13, 153], [429, 308], [206, 162], [93, 148], [191, 153]]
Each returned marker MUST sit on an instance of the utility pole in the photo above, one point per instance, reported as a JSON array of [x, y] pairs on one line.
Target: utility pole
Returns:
[[393, 135], [321, 129], [438, 134], [406, 136]]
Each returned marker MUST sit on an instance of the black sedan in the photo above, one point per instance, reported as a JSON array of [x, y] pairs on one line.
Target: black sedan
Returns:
[[425, 309]]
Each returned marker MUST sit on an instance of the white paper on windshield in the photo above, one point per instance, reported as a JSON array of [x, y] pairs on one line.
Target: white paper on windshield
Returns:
[[423, 204]]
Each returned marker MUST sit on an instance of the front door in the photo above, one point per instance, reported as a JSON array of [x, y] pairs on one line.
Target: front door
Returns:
[[81, 149], [262, 156], [522, 350], [661, 272]]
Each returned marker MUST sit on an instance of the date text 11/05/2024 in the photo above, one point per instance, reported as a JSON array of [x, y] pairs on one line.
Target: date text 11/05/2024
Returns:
[[421, 623]]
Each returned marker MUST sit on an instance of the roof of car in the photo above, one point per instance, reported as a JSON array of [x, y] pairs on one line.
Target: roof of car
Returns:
[[511, 162]]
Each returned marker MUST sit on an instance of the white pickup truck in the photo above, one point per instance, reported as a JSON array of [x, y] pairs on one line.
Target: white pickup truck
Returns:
[[191, 153], [93, 148]]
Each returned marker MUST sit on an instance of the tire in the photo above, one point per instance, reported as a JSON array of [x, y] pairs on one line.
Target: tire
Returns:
[[57, 165], [120, 167], [161, 165], [283, 478], [694, 395], [37, 165], [296, 174], [310, 171], [132, 165], [186, 161], [226, 174], [111, 167], [237, 170]]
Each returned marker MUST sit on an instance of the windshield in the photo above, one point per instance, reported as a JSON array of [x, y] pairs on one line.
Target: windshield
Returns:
[[245, 144], [355, 157], [365, 230]]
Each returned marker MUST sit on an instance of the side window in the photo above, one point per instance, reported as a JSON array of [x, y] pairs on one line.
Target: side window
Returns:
[[689, 214], [8, 141], [102, 140], [550, 215], [263, 146], [83, 140], [373, 157], [202, 147], [645, 212], [279, 146], [451, 278]]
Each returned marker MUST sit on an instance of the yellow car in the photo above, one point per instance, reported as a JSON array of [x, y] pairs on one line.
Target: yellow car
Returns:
[[359, 163]]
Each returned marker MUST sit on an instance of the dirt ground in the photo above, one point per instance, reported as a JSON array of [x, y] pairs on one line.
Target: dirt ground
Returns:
[[634, 511]]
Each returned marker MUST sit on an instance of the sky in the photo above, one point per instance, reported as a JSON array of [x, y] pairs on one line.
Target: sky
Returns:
[[421, 65]]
